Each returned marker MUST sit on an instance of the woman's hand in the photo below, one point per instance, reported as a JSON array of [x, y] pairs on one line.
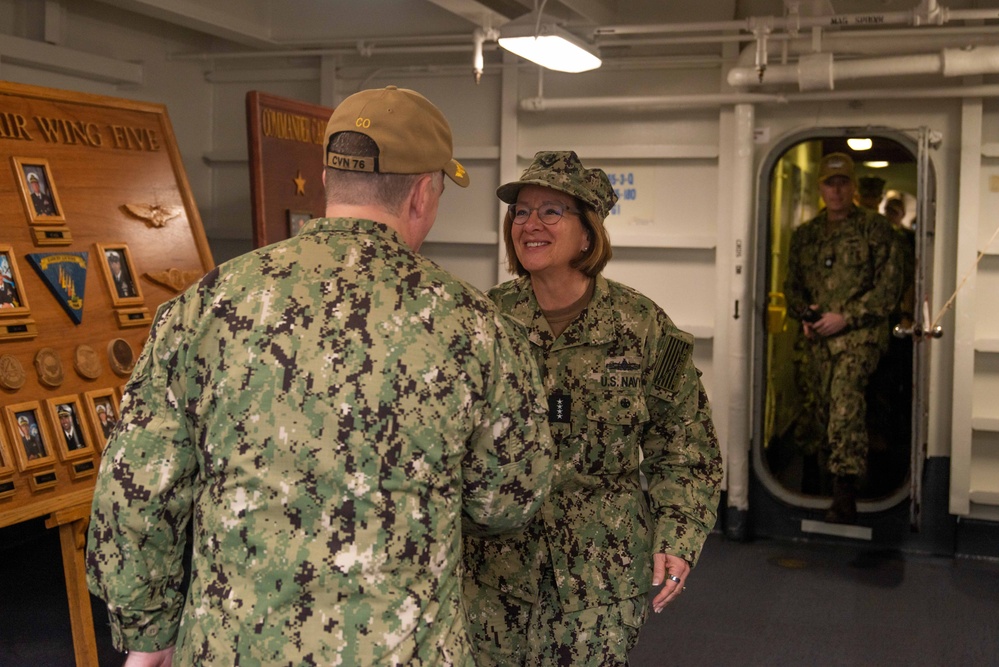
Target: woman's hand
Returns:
[[672, 570]]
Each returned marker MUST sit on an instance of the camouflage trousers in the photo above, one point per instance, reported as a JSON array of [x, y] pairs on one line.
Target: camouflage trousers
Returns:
[[833, 419], [510, 632]]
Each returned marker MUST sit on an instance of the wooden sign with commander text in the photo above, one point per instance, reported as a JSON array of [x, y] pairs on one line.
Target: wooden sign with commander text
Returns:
[[285, 140]]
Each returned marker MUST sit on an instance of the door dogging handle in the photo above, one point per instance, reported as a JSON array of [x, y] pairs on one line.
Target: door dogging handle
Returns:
[[917, 331]]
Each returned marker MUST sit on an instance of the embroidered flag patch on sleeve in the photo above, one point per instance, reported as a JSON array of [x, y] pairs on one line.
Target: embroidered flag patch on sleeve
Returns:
[[674, 351]]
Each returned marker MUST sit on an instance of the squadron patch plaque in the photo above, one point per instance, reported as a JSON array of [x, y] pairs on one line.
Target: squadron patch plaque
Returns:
[[65, 274]]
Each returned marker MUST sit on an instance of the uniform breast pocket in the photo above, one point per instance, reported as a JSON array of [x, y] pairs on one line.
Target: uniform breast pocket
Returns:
[[615, 421], [855, 253]]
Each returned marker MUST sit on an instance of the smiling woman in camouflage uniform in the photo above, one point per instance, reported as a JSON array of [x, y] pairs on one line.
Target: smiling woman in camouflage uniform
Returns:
[[572, 589]]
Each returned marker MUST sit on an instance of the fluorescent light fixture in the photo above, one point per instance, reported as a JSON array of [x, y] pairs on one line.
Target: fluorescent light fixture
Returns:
[[876, 164], [859, 144], [548, 45]]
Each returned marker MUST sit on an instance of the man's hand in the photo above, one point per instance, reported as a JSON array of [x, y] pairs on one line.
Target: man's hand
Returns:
[[829, 324], [163, 658]]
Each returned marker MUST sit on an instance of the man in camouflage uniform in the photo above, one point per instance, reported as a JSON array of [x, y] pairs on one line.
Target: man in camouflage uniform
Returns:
[[870, 191], [621, 385], [329, 414], [844, 277]]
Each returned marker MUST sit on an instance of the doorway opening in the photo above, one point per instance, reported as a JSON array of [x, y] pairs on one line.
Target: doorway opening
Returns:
[[789, 468]]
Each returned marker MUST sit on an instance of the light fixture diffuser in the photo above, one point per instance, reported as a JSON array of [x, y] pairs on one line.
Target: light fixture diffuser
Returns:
[[859, 143], [548, 45]]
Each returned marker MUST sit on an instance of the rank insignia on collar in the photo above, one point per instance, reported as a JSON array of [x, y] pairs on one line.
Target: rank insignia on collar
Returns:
[[65, 274]]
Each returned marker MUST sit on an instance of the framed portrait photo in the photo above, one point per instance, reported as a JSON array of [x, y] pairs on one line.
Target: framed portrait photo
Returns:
[[6, 462], [29, 436], [38, 191], [103, 406], [13, 300], [119, 274], [297, 220], [7, 487], [72, 435]]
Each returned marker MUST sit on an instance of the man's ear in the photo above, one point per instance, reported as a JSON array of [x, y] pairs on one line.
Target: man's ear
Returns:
[[419, 211], [421, 196]]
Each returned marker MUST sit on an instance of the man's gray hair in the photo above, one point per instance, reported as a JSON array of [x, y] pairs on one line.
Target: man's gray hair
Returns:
[[357, 188]]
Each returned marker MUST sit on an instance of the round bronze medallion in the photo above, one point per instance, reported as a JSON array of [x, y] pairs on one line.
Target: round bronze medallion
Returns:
[[121, 357], [49, 367], [11, 373], [86, 362]]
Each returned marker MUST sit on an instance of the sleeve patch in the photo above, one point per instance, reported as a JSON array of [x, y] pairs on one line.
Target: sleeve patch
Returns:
[[674, 351]]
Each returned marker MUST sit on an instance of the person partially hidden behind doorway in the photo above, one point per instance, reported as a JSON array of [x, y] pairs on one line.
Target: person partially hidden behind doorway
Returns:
[[890, 390], [870, 191], [844, 278]]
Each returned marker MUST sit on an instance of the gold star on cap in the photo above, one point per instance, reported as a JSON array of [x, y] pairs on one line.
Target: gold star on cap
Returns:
[[299, 183]]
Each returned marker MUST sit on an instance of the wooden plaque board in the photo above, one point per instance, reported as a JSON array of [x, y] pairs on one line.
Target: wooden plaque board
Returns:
[[112, 192], [285, 140]]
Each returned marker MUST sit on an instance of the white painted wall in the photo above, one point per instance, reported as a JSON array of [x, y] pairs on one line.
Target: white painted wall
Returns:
[[683, 157]]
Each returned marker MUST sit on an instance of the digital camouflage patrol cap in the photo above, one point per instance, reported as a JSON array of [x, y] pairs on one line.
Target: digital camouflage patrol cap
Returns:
[[836, 164], [412, 135], [562, 171]]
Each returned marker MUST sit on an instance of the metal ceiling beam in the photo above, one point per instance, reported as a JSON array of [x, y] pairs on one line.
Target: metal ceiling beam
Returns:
[[474, 12], [204, 17], [50, 57], [592, 11], [596, 11]]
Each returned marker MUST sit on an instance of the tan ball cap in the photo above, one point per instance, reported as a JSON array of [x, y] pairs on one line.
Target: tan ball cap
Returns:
[[412, 135], [836, 164]]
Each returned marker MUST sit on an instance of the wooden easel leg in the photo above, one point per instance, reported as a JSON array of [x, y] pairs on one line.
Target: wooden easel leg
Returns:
[[72, 540]]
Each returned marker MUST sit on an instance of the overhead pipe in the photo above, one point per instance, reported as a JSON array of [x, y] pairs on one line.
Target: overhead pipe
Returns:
[[709, 101], [761, 33], [819, 71], [951, 92], [479, 37], [816, 69], [876, 43], [853, 41], [929, 15], [365, 47]]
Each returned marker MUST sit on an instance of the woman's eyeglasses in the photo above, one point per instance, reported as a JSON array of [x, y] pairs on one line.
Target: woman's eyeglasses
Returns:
[[549, 213]]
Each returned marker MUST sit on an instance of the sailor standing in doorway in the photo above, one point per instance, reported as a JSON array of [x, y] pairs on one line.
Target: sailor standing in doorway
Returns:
[[844, 277]]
